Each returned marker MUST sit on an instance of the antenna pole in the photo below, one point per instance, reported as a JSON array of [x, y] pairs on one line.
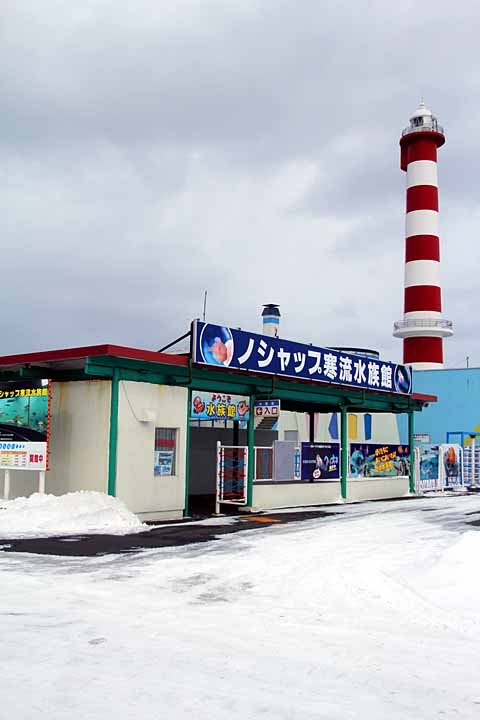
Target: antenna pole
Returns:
[[204, 306]]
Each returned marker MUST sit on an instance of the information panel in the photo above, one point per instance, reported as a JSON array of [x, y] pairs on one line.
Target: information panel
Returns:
[[24, 424]]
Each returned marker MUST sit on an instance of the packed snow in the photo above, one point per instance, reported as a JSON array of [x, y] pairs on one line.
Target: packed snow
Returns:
[[78, 513], [372, 613]]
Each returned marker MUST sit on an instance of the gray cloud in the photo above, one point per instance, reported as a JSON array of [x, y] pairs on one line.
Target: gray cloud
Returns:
[[155, 150]]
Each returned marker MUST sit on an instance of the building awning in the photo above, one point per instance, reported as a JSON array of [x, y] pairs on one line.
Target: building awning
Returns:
[[102, 361]]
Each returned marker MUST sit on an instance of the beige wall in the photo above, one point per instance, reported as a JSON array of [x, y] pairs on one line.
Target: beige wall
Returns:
[[80, 427], [78, 450], [279, 495], [377, 488], [384, 427], [149, 496], [295, 494]]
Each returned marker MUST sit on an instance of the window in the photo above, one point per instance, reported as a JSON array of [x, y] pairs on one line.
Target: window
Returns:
[[165, 451]]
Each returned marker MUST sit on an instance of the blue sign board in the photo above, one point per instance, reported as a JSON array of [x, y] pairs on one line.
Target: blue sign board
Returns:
[[267, 408], [320, 461], [226, 347]]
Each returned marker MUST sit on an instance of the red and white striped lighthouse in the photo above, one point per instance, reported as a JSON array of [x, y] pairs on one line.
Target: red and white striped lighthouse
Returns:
[[422, 327]]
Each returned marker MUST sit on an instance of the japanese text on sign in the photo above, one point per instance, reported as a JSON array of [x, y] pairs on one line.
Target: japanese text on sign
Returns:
[[227, 347]]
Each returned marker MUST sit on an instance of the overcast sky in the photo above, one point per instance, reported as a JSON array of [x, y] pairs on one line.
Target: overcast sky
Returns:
[[152, 150]]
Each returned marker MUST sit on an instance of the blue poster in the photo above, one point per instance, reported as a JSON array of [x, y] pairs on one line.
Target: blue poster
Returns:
[[429, 469], [320, 461], [374, 460], [226, 347]]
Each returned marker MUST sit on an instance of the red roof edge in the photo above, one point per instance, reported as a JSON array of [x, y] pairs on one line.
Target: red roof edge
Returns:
[[93, 351], [424, 398]]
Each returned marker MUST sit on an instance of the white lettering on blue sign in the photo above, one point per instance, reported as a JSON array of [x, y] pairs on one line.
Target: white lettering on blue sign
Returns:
[[222, 346]]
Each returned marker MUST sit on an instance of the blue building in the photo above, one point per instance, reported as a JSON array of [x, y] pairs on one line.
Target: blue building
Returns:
[[458, 406]]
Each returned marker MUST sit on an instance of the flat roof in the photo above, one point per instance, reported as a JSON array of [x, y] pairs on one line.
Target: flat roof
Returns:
[[97, 361], [74, 358]]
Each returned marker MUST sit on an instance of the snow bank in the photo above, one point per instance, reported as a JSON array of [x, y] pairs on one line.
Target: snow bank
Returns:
[[452, 580], [78, 513]]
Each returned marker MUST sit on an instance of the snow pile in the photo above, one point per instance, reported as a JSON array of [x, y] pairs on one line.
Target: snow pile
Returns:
[[451, 581], [78, 513]]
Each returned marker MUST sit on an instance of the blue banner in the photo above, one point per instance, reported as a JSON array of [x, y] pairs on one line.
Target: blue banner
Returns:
[[226, 347], [320, 461]]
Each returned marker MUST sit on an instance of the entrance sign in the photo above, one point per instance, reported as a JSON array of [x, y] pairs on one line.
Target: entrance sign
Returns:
[[320, 461], [226, 347], [267, 408], [371, 460], [24, 425]]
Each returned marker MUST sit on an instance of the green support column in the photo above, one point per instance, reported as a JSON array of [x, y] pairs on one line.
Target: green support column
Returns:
[[113, 436], [187, 453], [251, 453], [344, 451], [411, 429]]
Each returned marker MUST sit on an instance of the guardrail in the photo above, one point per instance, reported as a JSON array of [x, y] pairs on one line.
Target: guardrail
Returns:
[[403, 324], [431, 127]]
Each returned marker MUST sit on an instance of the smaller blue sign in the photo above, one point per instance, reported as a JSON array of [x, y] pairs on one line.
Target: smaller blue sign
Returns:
[[267, 408], [320, 461]]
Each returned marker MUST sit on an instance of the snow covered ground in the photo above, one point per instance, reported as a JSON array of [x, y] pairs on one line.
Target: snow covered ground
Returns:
[[372, 614]]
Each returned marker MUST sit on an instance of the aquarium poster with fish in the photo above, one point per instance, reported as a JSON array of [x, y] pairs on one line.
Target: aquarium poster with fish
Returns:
[[374, 460], [24, 424]]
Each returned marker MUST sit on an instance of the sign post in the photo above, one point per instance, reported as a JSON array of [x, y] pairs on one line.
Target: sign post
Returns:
[[6, 485]]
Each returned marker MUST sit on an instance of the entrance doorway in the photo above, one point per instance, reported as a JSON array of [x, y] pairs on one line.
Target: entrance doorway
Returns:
[[203, 463]]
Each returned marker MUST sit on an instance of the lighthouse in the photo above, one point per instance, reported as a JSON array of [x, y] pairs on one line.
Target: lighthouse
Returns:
[[422, 328]]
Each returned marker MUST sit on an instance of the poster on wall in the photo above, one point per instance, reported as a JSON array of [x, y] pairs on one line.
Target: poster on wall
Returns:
[[320, 461], [223, 346], [450, 464], [165, 451], [429, 470], [24, 424], [219, 406], [163, 462], [372, 460]]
